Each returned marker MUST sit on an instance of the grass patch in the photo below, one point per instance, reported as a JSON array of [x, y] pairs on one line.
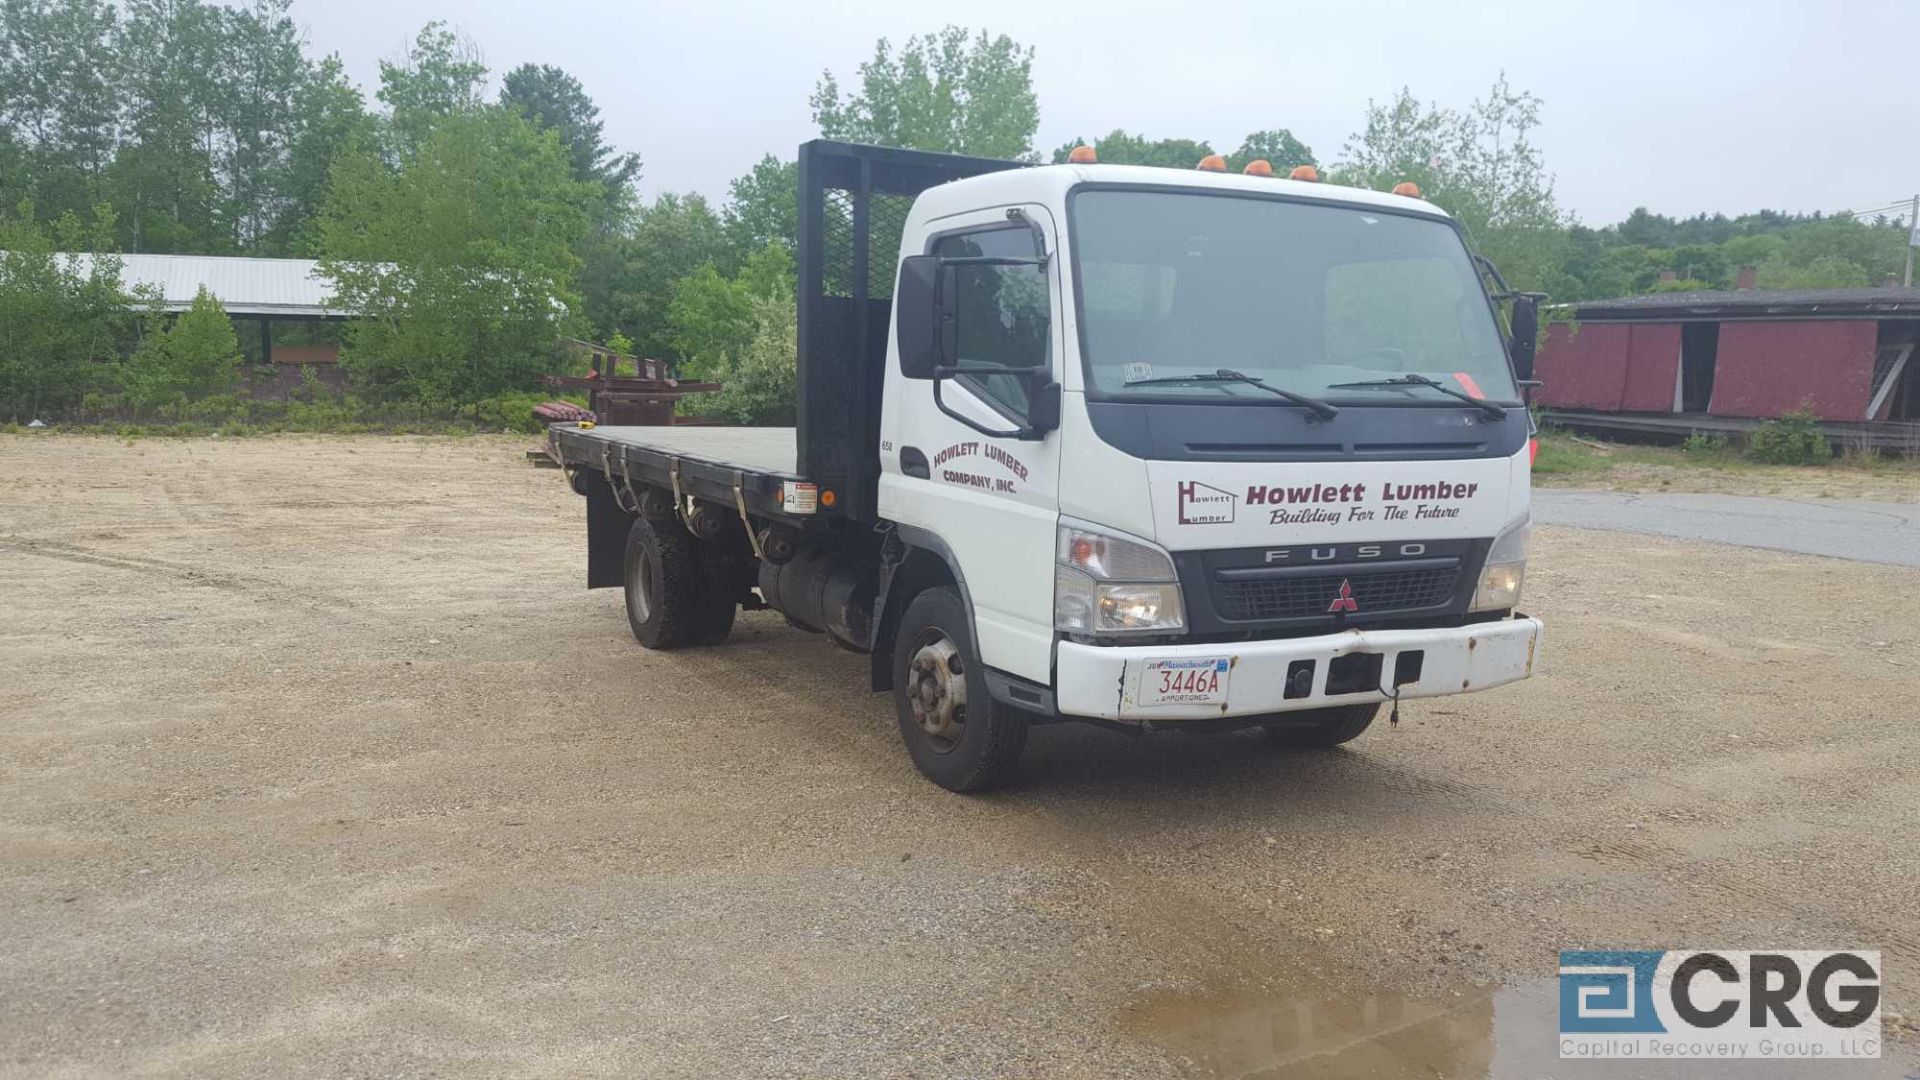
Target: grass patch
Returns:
[[1712, 461]]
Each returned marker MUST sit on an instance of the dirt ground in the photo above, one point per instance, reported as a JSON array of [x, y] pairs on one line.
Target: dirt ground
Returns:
[[316, 760]]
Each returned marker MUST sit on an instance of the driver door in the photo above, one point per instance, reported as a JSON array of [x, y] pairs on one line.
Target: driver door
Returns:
[[992, 500]]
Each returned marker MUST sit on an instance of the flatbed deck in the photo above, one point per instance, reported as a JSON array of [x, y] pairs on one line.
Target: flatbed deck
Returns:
[[766, 450], [728, 465]]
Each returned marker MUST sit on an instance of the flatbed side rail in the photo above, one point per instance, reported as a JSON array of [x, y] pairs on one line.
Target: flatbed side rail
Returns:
[[627, 465]]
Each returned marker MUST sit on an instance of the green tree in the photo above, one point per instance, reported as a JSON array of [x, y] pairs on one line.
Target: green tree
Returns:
[[58, 103], [762, 207], [459, 265], [263, 71], [196, 357], [671, 238], [170, 54], [949, 91], [1481, 166], [1275, 146], [329, 115], [1118, 147], [441, 76], [60, 315], [555, 101], [711, 317], [757, 380]]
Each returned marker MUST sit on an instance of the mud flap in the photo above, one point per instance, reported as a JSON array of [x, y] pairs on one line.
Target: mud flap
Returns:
[[607, 527]]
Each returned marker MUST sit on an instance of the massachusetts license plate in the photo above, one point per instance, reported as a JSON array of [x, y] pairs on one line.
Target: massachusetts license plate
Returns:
[[1200, 681]]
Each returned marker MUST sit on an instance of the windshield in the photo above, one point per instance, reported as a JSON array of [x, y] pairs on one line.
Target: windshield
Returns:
[[1302, 296]]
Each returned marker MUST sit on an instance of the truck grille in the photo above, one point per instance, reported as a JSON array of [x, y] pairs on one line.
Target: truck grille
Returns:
[[1298, 597]]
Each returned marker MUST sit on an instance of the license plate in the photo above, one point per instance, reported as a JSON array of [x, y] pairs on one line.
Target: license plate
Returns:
[[1185, 682]]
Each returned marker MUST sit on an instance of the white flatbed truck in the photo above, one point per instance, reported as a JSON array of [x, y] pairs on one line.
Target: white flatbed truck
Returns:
[[1138, 447]]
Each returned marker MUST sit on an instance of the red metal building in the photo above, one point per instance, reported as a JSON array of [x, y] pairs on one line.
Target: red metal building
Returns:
[[1675, 360]]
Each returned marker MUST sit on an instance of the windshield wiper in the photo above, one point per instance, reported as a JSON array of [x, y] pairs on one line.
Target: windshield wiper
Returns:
[[1227, 375], [1498, 412]]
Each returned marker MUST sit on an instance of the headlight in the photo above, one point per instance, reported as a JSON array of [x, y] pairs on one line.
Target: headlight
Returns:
[[1110, 584], [1506, 568]]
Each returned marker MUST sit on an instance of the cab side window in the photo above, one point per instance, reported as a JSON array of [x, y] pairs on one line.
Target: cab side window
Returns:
[[1002, 314]]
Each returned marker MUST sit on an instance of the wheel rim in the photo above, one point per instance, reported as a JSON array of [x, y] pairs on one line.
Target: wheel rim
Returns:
[[640, 597], [937, 691]]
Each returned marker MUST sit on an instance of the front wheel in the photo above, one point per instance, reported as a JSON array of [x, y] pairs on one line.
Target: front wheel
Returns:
[[958, 737], [1312, 728]]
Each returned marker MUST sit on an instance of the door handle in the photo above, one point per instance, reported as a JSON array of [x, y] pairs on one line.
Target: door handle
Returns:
[[914, 463]]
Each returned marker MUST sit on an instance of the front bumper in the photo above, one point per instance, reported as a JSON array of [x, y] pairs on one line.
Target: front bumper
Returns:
[[1105, 682]]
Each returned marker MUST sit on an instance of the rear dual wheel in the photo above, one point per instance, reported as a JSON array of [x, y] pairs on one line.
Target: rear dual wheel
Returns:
[[679, 591]]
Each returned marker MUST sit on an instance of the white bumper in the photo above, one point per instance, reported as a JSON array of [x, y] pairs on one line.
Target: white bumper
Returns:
[[1106, 682]]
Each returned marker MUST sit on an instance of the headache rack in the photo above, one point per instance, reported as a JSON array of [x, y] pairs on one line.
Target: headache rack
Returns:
[[852, 209]]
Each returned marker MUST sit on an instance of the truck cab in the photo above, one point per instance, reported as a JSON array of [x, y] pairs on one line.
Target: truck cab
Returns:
[[1147, 448]]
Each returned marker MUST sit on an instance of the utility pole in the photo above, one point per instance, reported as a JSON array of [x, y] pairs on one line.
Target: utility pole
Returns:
[[1913, 239]]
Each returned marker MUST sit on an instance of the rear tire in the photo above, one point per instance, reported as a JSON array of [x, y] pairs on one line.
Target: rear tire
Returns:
[[1317, 728], [957, 735], [663, 571]]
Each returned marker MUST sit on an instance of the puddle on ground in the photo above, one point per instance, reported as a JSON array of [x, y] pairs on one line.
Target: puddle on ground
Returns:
[[1512, 1032]]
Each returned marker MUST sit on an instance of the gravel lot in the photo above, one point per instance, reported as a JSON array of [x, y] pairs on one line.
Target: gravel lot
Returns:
[[316, 760]]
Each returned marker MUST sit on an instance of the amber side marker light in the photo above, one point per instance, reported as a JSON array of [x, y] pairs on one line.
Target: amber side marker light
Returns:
[[1212, 163], [1305, 172], [1083, 155], [827, 498], [1259, 167]]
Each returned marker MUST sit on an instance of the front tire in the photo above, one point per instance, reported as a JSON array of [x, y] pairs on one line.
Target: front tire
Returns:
[[1318, 728], [957, 735]]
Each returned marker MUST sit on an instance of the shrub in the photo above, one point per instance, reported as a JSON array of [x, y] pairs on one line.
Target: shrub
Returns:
[[1793, 439], [58, 315], [1705, 444], [196, 358]]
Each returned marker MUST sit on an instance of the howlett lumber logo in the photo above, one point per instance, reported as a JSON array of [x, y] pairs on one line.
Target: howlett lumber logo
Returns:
[[1306, 504], [1204, 504]]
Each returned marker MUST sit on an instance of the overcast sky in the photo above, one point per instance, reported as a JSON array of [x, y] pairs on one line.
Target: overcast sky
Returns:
[[1679, 105]]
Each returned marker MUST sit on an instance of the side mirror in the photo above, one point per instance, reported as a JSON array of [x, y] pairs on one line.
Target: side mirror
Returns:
[[917, 315], [1526, 332], [1043, 406]]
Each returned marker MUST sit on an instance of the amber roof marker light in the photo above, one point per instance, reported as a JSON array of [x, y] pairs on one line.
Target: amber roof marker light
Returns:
[[1408, 188], [1212, 163], [1082, 155], [1259, 167], [1305, 172]]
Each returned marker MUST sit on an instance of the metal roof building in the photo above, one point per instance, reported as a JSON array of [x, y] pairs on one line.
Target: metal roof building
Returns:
[[1723, 361], [279, 288]]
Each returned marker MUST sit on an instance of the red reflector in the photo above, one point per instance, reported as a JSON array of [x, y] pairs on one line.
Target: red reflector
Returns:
[[1533, 451]]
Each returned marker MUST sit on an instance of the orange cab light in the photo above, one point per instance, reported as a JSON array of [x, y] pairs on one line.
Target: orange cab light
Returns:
[[827, 498], [1212, 163], [1259, 167], [1083, 155], [1305, 172], [1408, 188]]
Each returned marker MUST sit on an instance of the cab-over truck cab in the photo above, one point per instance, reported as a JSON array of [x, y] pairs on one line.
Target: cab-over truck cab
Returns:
[[1140, 447]]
